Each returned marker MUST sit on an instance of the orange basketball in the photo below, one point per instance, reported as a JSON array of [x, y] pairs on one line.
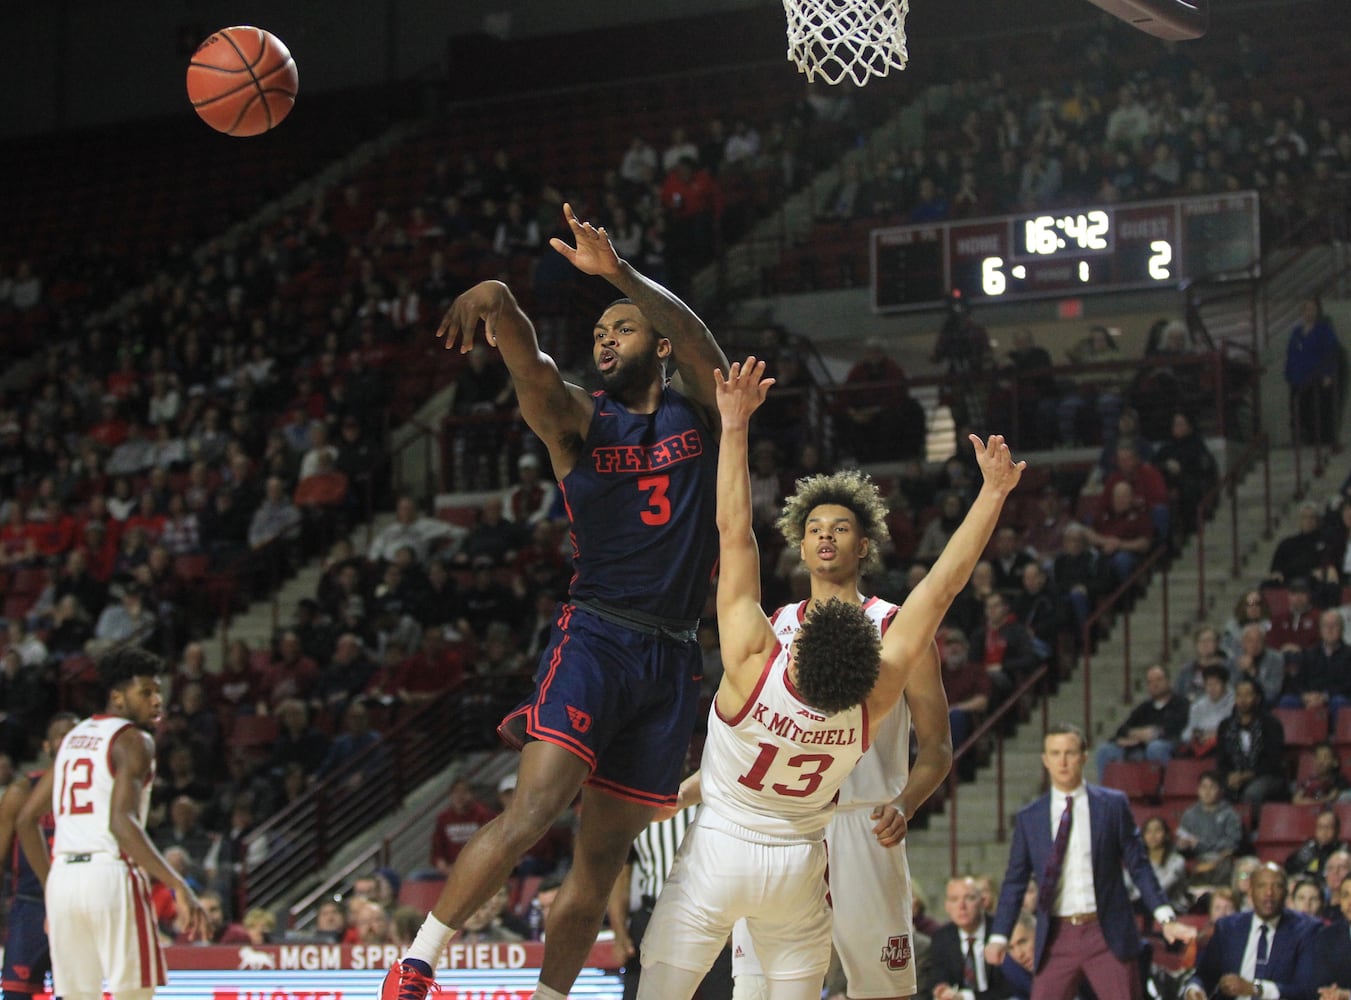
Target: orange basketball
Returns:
[[242, 81]]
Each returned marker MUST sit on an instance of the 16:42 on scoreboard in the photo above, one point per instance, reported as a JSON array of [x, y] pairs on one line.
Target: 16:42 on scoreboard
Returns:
[[1053, 253]]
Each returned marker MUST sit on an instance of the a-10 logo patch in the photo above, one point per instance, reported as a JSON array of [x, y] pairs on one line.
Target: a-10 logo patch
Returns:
[[896, 952]]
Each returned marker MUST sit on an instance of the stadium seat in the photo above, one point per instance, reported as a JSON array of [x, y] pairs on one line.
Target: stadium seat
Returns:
[[1181, 777], [28, 581], [1304, 727], [1341, 735], [1137, 778], [420, 894], [1283, 823], [254, 734], [192, 566]]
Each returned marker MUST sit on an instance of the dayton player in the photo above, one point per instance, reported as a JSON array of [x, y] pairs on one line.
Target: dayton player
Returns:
[[27, 955], [838, 523], [789, 723], [98, 887], [617, 689]]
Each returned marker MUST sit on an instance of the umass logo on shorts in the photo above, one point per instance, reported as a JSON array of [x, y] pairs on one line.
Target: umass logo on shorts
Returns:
[[896, 952], [580, 720]]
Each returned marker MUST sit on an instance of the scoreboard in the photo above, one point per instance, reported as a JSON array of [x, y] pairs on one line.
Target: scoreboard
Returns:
[[1109, 248]]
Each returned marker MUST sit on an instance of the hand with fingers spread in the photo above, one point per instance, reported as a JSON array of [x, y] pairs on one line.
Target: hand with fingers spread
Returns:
[[741, 393], [594, 253], [1001, 472], [481, 304]]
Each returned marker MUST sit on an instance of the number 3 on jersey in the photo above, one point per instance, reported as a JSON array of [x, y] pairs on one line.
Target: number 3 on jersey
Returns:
[[77, 777], [658, 503]]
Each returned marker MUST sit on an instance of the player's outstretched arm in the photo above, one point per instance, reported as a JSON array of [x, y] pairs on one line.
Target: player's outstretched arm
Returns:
[[555, 410], [28, 824], [933, 733], [695, 349], [132, 758], [923, 610], [744, 631]]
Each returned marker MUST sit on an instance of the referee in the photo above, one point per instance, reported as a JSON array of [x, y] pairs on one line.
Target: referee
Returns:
[[650, 860]]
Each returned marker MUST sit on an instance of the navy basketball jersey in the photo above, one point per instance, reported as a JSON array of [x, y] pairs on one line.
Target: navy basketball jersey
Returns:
[[25, 879], [642, 499]]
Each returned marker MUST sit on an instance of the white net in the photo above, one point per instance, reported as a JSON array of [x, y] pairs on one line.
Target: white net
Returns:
[[847, 39]]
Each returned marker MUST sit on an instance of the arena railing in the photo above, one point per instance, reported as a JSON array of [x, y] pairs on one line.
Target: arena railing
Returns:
[[305, 836]]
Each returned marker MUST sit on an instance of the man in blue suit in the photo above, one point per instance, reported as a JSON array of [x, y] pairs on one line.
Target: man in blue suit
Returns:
[[1266, 953], [1076, 841], [1332, 952]]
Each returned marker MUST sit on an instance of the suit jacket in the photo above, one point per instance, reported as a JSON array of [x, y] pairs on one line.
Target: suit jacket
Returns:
[[1115, 843], [1332, 956], [1289, 964], [947, 964]]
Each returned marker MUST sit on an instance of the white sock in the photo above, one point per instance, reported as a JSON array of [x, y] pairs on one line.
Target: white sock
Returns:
[[543, 992], [432, 938]]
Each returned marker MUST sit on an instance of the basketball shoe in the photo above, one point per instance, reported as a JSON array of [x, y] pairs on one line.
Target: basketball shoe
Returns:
[[404, 982]]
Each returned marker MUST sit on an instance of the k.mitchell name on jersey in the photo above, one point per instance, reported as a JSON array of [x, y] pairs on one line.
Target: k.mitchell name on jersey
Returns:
[[785, 726]]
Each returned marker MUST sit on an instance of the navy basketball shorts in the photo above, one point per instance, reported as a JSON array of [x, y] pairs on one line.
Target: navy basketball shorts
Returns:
[[622, 700], [27, 958]]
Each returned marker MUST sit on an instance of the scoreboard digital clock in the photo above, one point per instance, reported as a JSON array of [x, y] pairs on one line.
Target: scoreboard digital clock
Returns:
[[1109, 248]]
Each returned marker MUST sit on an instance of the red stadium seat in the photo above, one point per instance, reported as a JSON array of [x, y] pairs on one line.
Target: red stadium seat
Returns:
[[1181, 777], [192, 566], [1137, 778], [1284, 823], [420, 894], [1304, 727]]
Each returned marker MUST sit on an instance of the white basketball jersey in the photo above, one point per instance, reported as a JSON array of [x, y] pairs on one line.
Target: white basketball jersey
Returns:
[[82, 792], [776, 766], [882, 773]]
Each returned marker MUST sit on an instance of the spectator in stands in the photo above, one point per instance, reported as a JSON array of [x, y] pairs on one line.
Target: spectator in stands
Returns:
[[529, 500], [1122, 531], [232, 854], [330, 921], [1322, 671], [1004, 647], [68, 627], [180, 533], [483, 391], [1085, 398], [371, 922], [1311, 857], [1007, 561], [1212, 706], [1306, 896], [276, 520], [956, 950], [1039, 607], [877, 419], [1305, 554], [76, 581], [1210, 832], [492, 537], [417, 679], [260, 925], [125, 620], [1327, 783], [454, 825], [1079, 574], [1254, 659], [1170, 868], [297, 740], [289, 674], [486, 600], [638, 167], [936, 533], [415, 531], [219, 931], [967, 685], [182, 828], [1045, 536], [1250, 609], [1297, 629], [1152, 729], [355, 738], [1312, 360], [1190, 682], [1188, 468], [1146, 481], [1231, 964], [1251, 750]]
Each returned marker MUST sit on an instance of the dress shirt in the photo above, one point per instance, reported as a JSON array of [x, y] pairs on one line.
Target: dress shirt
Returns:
[[1248, 968], [1075, 893], [978, 945]]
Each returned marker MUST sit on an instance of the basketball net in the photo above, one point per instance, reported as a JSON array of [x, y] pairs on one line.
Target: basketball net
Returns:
[[854, 39]]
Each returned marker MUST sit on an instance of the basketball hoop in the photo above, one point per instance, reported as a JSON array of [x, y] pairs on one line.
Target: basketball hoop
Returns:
[[853, 39]]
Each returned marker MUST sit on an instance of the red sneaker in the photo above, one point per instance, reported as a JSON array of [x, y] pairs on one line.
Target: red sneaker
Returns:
[[403, 982]]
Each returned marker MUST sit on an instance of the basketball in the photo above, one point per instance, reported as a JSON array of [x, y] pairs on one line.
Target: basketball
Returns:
[[242, 81]]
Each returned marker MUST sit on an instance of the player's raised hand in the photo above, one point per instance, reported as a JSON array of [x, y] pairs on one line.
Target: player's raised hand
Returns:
[[996, 464], [741, 392], [478, 305], [594, 253]]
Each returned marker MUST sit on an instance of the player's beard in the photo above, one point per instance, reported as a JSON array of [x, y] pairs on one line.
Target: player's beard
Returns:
[[632, 376]]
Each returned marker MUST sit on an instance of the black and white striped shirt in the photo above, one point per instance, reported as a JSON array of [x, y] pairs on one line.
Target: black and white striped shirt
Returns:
[[654, 851]]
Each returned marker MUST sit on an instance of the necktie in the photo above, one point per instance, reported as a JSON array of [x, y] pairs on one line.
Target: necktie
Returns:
[[969, 966], [1051, 880], [1261, 969]]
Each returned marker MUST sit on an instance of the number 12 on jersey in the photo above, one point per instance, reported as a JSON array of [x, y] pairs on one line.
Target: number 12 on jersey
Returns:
[[77, 777]]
